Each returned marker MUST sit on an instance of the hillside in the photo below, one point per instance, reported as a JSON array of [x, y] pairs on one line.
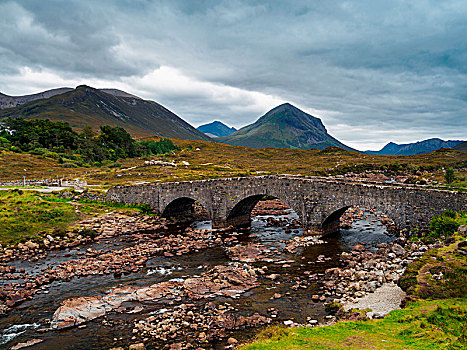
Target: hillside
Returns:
[[419, 147], [7, 101], [285, 126], [461, 147], [88, 106], [216, 129]]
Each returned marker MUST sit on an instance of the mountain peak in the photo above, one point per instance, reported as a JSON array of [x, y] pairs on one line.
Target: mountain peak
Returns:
[[284, 126], [216, 129], [86, 105], [287, 115]]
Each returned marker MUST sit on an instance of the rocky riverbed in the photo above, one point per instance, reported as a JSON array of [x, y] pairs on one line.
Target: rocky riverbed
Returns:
[[139, 281]]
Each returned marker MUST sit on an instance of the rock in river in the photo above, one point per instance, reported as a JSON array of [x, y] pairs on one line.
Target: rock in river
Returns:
[[75, 311]]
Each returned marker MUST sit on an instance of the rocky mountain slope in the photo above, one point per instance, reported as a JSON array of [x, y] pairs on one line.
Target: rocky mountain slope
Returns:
[[88, 106], [7, 101], [285, 126]]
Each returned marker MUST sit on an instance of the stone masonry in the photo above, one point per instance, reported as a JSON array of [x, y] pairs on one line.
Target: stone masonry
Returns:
[[319, 202]]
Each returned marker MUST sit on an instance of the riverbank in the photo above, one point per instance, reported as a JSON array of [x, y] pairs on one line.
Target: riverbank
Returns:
[[438, 324], [421, 323]]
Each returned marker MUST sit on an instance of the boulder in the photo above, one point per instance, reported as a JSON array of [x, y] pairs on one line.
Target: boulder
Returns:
[[398, 250], [31, 245], [27, 344]]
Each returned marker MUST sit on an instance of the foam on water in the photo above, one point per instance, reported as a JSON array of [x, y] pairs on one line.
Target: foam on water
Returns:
[[13, 331]]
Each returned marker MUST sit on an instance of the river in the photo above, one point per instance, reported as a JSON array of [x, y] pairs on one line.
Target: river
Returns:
[[30, 319]]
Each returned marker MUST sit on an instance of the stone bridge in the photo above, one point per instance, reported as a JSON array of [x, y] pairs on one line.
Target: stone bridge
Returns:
[[319, 202]]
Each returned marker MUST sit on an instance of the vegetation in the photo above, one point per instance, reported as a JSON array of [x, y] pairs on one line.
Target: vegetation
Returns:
[[449, 176], [45, 149], [440, 273], [446, 223], [422, 325], [26, 215], [30, 215], [58, 140]]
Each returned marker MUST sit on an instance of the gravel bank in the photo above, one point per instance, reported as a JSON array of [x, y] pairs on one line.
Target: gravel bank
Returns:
[[383, 300]]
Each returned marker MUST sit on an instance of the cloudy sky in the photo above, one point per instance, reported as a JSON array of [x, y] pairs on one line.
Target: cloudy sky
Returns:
[[373, 71]]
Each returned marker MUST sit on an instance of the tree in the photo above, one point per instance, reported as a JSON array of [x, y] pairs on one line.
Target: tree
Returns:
[[449, 176], [87, 132]]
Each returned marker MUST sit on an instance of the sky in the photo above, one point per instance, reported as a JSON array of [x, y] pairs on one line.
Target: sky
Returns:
[[373, 71]]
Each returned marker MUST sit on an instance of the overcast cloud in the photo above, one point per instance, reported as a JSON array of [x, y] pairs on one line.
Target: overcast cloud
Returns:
[[373, 71]]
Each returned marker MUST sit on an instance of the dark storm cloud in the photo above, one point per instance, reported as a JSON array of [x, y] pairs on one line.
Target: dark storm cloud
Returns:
[[374, 71]]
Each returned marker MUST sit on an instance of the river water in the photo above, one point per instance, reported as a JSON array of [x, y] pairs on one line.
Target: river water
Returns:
[[28, 320]]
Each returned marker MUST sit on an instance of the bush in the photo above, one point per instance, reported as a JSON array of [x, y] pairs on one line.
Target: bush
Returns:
[[145, 208], [449, 176], [332, 307], [69, 165], [444, 224], [38, 151], [115, 165]]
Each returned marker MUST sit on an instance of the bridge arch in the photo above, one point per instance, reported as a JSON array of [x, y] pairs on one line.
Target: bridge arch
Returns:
[[240, 212], [181, 206], [331, 222]]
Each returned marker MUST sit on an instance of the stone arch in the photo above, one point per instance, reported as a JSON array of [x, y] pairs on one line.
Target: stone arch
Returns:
[[331, 222], [181, 206], [240, 213]]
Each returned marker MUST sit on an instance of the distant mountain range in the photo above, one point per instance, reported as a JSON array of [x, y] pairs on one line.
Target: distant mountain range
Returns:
[[95, 107], [419, 147], [285, 126], [216, 129]]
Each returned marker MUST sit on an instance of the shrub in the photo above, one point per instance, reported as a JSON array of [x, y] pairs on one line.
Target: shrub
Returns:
[[69, 165], [444, 224], [145, 208], [449, 176], [332, 307], [115, 165]]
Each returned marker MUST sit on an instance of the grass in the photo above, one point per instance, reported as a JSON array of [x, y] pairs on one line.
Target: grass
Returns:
[[30, 215], [26, 215], [440, 324], [215, 160], [417, 279]]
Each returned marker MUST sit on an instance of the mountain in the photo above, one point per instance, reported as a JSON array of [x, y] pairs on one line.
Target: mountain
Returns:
[[419, 147], [88, 106], [14, 101], [461, 147], [216, 129], [285, 126]]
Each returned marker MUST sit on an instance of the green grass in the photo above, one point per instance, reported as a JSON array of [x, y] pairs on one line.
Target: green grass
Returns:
[[30, 215], [440, 324], [26, 215]]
